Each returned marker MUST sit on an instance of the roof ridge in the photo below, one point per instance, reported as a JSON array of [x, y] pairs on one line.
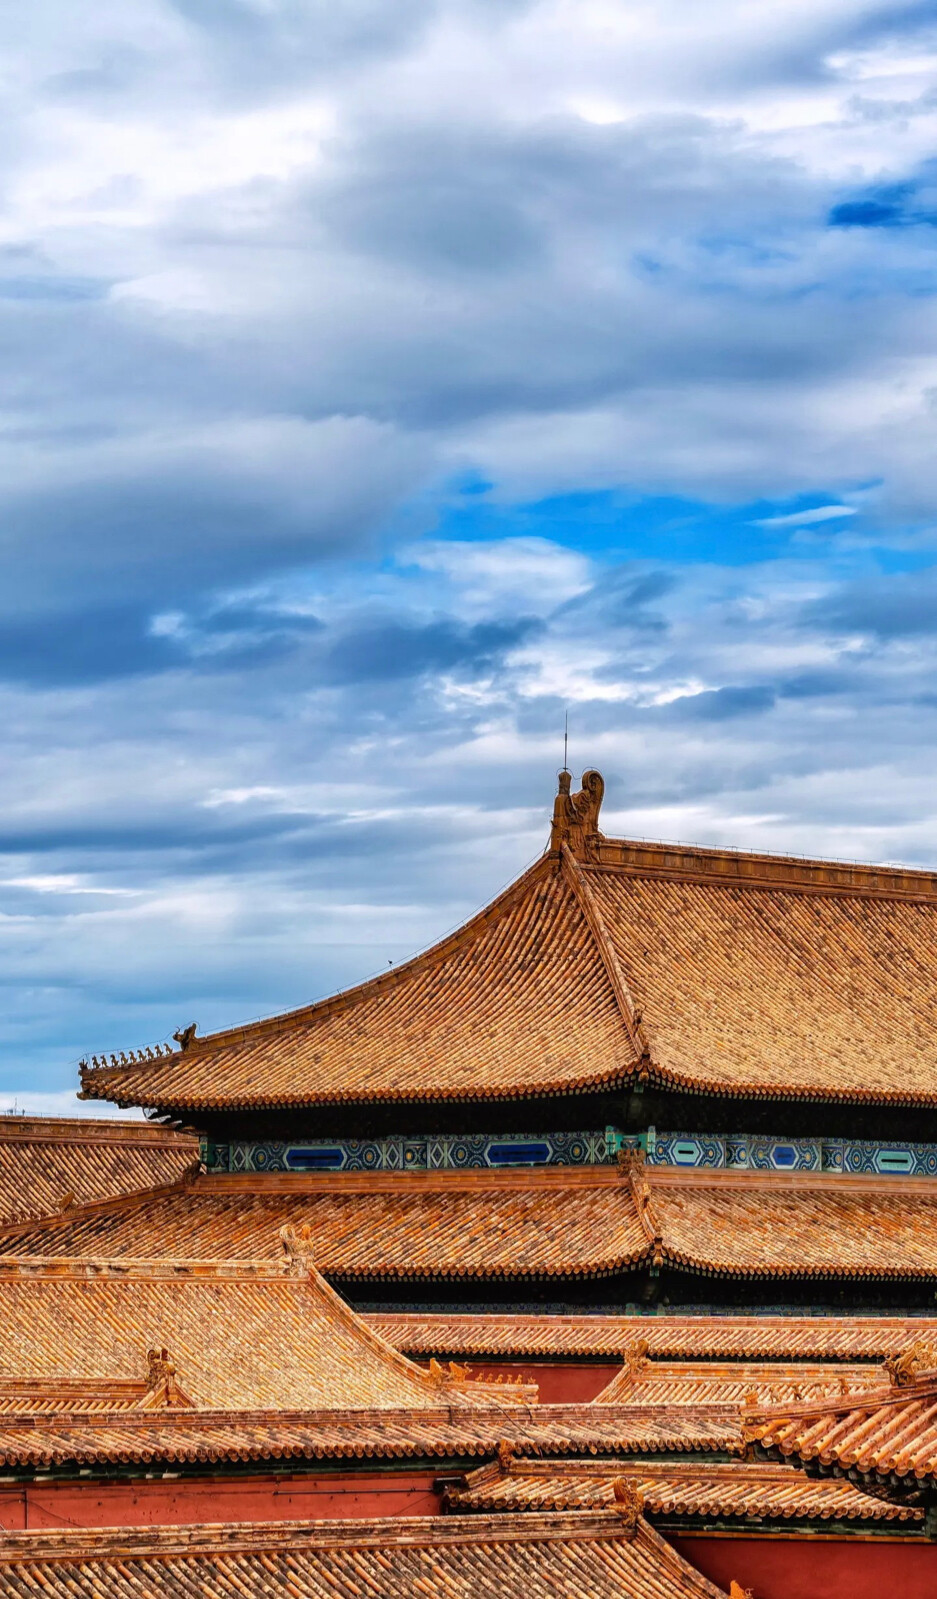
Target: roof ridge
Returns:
[[722, 867], [630, 1015], [525, 1526], [78, 1129]]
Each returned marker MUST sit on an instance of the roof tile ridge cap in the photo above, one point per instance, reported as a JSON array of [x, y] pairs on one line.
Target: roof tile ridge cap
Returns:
[[375, 1531], [339, 1310], [636, 1172], [624, 999], [349, 996], [78, 1130], [921, 880], [859, 1401], [138, 1268]]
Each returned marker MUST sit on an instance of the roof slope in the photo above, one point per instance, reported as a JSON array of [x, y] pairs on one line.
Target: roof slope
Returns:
[[517, 1002], [240, 1337], [556, 1222], [670, 1489], [593, 1556], [48, 1164], [761, 990], [477, 1224], [725, 972]]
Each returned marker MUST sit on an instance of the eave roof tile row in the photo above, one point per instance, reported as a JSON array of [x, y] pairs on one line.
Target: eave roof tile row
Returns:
[[890, 1435], [715, 1336], [555, 1223], [590, 1555], [754, 1492], [206, 1438]]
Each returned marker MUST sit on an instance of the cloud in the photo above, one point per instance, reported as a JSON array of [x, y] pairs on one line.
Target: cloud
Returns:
[[154, 516], [381, 383]]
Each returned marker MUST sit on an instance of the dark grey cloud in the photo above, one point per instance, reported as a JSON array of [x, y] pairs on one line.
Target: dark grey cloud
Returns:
[[896, 606]]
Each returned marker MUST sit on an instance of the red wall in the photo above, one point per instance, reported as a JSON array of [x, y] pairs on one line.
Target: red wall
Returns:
[[271, 1498], [818, 1567], [559, 1384]]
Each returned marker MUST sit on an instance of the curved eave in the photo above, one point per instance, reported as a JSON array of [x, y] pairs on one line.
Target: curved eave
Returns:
[[666, 1078], [616, 1077], [97, 1085]]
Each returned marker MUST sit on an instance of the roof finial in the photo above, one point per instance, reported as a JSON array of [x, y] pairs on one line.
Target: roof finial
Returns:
[[565, 741], [576, 816]]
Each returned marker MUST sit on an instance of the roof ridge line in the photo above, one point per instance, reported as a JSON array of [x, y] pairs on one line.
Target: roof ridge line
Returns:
[[717, 866], [624, 999], [401, 1531]]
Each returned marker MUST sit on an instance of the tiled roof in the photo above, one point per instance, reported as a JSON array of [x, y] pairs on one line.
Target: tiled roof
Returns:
[[50, 1164], [238, 1337], [603, 1337], [748, 1224], [477, 1224], [557, 1222], [592, 1555], [888, 1436], [643, 1381], [737, 974], [448, 1431], [517, 1002], [787, 990], [671, 1490]]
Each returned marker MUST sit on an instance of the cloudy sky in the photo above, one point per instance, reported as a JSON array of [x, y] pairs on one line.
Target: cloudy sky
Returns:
[[383, 379]]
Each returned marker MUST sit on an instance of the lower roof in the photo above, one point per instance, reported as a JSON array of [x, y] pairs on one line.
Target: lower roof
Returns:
[[50, 1164], [644, 1381], [672, 1490], [592, 1555], [553, 1223], [235, 1337], [889, 1436], [606, 1338], [207, 1439]]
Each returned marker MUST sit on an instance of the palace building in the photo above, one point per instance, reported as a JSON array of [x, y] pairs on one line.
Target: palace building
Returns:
[[592, 1251]]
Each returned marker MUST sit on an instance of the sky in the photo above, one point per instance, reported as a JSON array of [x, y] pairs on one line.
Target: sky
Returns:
[[382, 382]]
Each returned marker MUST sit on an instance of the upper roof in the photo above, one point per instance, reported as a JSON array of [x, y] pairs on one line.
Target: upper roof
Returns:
[[671, 1490], [556, 1222], [48, 1164], [737, 974], [597, 1555], [239, 1337]]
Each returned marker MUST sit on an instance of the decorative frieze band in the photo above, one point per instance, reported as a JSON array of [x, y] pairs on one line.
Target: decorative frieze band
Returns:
[[450, 1152]]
